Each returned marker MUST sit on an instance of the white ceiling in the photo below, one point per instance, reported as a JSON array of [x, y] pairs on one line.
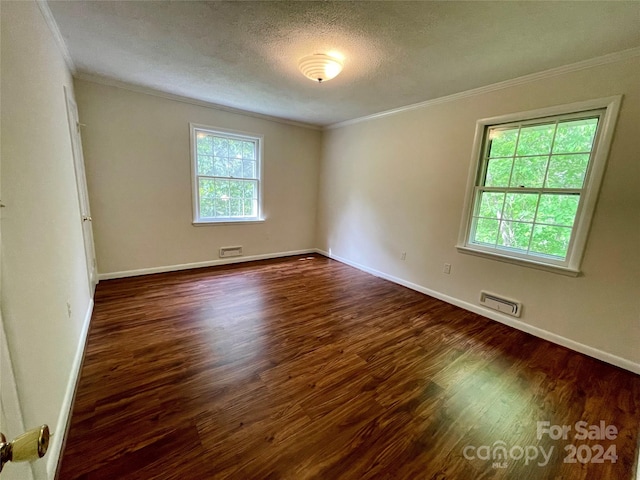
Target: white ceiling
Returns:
[[245, 54]]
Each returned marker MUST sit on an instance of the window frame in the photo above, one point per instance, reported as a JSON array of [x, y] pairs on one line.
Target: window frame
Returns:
[[197, 220], [591, 187]]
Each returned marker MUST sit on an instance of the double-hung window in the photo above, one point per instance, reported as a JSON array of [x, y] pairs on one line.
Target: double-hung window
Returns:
[[227, 180], [534, 184]]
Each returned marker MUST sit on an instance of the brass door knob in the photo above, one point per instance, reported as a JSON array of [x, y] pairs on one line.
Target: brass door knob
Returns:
[[26, 447]]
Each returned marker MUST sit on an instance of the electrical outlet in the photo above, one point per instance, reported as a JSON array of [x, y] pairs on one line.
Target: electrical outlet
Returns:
[[403, 256], [447, 268]]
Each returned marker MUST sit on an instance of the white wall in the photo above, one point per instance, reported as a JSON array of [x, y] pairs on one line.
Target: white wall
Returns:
[[43, 265], [397, 183], [139, 175]]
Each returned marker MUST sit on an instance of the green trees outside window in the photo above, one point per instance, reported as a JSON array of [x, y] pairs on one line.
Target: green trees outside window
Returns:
[[227, 176], [530, 184]]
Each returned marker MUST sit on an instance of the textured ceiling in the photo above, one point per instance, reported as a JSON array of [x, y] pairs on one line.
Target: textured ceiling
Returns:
[[245, 54]]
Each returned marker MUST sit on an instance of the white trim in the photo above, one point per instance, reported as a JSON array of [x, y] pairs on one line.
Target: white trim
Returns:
[[57, 36], [109, 82], [547, 267], [228, 221], [595, 174], [59, 436], [84, 209], [612, 102], [493, 315], [553, 72], [208, 263]]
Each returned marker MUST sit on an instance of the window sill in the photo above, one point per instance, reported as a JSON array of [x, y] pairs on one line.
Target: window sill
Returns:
[[570, 272], [204, 223]]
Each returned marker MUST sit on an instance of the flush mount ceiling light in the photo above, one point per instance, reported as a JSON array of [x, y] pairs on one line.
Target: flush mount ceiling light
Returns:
[[320, 67]]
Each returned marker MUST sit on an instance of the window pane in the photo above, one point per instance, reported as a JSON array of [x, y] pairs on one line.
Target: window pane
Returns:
[[205, 143], [236, 188], [535, 140], [486, 231], [498, 172], [235, 168], [515, 235], [205, 165], [220, 167], [503, 142], [249, 150], [567, 171], [250, 208], [235, 148], [532, 180], [558, 209], [520, 206], [207, 196], [220, 147], [576, 136], [491, 204], [221, 189], [226, 167], [235, 207], [529, 172], [551, 240], [248, 169], [250, 190], [221, 208]]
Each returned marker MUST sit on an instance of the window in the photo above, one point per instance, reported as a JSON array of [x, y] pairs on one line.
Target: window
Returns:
[[534, 184], [226, 175]]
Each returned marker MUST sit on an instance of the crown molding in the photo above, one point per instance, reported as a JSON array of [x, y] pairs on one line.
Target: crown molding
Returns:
[[533, 77], [109, 82], [57, 36], [572, 67]]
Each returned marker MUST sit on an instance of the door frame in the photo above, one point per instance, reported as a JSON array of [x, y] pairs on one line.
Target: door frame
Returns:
[[83, 194]]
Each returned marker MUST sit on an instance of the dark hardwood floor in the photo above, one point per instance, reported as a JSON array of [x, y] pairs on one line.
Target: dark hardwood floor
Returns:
[[307, 368]]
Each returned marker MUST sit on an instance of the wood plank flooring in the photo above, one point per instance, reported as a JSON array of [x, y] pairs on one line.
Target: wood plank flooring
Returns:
[[305, 368]]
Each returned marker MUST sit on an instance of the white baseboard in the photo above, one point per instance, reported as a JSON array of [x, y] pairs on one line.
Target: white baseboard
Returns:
[[58, 436], [493, 315], [209, 263]]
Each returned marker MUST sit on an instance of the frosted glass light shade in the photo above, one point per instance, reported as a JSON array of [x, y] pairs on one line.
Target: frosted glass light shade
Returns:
[[320, 67]]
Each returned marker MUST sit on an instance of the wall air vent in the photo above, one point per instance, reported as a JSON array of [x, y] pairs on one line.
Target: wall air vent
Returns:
[[230, 252], [503, 305]]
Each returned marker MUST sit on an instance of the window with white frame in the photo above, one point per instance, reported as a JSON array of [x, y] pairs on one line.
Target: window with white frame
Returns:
[[226, 175], [534, 184]]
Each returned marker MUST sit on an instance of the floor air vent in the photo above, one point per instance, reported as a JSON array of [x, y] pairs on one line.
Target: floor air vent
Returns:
[[501, 304], [230, 252]]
